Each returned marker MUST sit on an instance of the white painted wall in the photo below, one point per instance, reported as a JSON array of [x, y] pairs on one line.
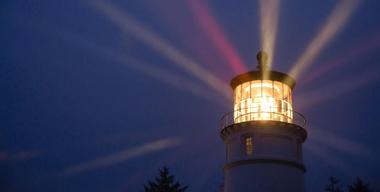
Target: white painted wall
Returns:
[[264, 178], [271, 144]]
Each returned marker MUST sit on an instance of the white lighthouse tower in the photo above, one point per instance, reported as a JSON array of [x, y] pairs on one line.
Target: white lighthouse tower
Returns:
[[263, 135]]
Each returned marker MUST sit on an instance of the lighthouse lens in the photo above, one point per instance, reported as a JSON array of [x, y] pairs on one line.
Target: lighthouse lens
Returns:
[[262, 100]]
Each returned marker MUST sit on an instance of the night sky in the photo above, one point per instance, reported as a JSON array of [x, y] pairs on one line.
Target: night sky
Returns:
[[88, 104]]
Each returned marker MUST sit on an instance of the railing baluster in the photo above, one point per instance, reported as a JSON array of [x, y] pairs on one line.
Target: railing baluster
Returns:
[[250, 114]]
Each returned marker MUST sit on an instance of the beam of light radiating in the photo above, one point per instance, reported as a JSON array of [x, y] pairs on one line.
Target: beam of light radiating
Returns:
[[203, 154], [318, 96], [173, 80], [150, 70], [19, 156], [338, 143], [327, 156], [177, 15], [131, 26], [269, 11], [331, 157], [208, 23], [122, 156], [333, 25], [356, 51], [176, 81]]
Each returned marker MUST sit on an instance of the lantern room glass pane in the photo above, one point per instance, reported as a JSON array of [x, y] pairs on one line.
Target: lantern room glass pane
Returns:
[[278, 95], [256, 88], [237, 96], [244, 102], [262, 100]]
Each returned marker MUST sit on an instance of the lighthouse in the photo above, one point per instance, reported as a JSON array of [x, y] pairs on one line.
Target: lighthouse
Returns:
[[263, 135]]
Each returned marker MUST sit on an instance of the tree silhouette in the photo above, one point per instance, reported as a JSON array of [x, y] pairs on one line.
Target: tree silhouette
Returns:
[[334, 185], [164, 183], [359, 186]]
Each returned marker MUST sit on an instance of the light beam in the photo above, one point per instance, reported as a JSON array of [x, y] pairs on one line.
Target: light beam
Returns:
[[333, 25], [357, 50], [339, 143], [269, 11], [150, 70], [328, 156], [211, 27], [122, 156], [131, 26], [344, 86]]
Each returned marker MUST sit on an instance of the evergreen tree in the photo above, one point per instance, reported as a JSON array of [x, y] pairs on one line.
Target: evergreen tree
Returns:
[[359, 186], [164, 183], [334, 185]]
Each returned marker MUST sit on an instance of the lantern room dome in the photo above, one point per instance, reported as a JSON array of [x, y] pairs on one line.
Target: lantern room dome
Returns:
[[262, 95], [263, 75]]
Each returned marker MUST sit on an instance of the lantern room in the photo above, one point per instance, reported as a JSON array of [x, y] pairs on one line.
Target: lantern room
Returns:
[[262, 95]]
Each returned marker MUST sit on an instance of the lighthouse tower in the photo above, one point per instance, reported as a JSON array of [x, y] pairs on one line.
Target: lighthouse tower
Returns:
[[263, 135]]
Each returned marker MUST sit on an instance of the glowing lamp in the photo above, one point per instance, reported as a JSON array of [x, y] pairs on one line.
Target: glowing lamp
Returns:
[[262, 95]]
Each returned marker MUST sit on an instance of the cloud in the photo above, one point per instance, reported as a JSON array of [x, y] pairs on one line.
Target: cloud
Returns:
[[119, 157]]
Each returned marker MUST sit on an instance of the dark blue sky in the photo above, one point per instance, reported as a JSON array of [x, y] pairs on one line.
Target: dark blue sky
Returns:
[[84, 104]]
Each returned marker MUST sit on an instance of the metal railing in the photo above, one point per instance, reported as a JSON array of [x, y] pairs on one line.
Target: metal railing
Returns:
[[249, 114]]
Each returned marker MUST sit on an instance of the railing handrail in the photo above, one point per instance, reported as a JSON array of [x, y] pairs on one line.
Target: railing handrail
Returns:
[[296, 118]]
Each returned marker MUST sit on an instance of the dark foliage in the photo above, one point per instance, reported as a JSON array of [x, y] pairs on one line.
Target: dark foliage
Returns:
[[334, 185], [359, 186], [164, 183]]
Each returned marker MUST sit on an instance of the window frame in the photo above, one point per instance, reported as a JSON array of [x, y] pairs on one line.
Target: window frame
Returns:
[[249, 146]]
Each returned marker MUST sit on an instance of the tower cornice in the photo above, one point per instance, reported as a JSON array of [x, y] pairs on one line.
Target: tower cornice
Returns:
[[264, 161], [263, 75], [265, 126]]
